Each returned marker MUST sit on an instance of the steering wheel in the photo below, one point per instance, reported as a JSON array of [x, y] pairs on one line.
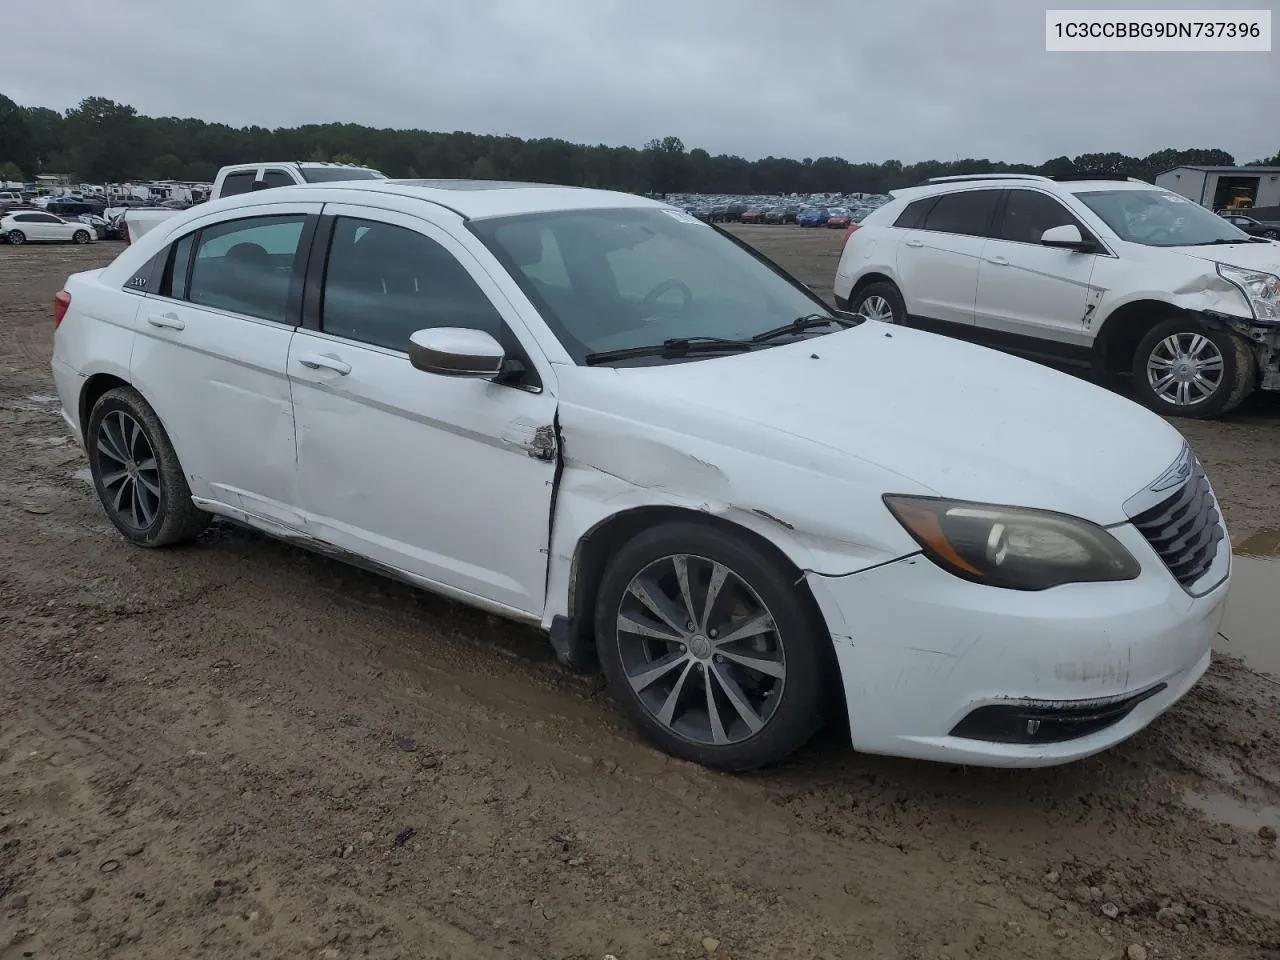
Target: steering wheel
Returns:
[[649, 305]]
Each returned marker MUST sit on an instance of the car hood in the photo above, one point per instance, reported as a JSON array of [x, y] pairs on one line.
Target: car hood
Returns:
[[1251, 256], [908, 411]]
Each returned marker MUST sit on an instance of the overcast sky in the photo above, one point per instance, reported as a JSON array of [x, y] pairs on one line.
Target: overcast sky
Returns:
[[863, 79]]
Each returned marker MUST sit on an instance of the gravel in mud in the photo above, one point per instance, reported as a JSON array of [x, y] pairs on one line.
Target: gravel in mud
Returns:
[[237, 749]]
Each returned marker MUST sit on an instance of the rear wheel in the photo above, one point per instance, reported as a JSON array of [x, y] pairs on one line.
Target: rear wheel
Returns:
[[709, 648], [17, 236], [1182, 368], [879, 301], [81, 236], [137, 474]]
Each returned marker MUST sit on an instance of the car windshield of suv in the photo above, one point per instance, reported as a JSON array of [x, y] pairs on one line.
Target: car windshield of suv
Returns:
[[607, 280], [1157, 219]]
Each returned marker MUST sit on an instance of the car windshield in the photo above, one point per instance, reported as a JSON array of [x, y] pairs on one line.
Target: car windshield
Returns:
[[606, 280], [1157, 219]]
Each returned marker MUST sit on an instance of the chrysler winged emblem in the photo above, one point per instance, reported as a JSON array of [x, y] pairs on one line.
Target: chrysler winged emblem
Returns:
[[1176, 474]]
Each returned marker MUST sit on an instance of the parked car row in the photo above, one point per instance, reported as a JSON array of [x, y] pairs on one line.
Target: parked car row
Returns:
[[590, 412]]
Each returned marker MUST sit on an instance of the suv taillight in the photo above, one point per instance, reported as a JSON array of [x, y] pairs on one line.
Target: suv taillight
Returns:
[[848, 232], [61, 301]]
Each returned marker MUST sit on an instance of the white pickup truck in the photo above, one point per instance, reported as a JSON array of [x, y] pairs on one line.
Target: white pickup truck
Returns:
[[244, 178]]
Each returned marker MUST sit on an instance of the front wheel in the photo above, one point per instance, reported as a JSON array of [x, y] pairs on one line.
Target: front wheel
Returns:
[[879, 301], [137, 474], [1182, 368], [80, 236], [710, 649]]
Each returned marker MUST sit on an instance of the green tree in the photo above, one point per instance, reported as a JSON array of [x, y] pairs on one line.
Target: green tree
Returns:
[[483, 169], [11, 171], [16, 143], [105, 140]]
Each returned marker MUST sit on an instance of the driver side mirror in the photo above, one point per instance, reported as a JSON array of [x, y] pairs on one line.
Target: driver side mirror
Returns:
[[456, 352], [1067, 237]]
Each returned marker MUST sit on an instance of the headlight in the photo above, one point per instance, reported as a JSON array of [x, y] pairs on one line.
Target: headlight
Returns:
[[1012, 547], [1262, 290]]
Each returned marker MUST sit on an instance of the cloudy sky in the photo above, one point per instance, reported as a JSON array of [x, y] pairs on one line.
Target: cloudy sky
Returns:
[[863, 79]]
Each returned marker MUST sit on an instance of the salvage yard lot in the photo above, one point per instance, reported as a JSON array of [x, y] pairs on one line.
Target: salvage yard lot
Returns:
[[240, 749]]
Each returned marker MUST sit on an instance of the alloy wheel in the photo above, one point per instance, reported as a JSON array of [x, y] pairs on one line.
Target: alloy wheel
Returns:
[[1185, 369], [128, 470], [876, 308], [701, 650]]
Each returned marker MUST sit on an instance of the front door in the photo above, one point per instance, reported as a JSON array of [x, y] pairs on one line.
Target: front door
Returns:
[[1029, 290], [448, 479]]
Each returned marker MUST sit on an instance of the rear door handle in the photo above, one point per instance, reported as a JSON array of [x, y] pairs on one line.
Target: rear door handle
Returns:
[[321, 361], [166, 320], [998, 261], [914, 243]]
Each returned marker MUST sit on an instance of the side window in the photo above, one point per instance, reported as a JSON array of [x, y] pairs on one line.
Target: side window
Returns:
[[912, 218], [27, 218], [45, 218], [241, 182], [968, 212], [245, 266], [276, 178], [384, 282], [1028, 214], [174, 283]]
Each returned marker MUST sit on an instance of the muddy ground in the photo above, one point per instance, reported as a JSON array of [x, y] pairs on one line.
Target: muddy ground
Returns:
[[237, 749]]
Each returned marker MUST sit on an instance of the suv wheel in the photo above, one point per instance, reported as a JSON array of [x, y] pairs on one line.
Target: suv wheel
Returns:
[[880, 301], [137, 474], [709, 648], [1184, 369]]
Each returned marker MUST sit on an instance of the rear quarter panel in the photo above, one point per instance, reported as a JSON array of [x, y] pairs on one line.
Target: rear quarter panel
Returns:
[[95, 337]]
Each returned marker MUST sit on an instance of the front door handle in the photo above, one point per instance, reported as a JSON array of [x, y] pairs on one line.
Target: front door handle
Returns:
[[914, 243], [998, 261], [167, 320], [322, 361]]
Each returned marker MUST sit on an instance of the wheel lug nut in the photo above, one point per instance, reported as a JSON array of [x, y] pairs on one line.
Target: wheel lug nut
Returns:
[[689, 626], [718, 658], [712, 633], [683, 648]]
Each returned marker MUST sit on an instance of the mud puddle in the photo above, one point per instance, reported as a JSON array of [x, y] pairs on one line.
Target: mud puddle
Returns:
[[1221, 808], [1251, 627]]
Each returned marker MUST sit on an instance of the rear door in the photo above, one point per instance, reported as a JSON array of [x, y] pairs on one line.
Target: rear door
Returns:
[[1031, 291], [212, 349], [937, 263]]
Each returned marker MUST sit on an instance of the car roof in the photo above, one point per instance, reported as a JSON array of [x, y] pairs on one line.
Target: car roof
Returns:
[[472, 199], [1010, 181]]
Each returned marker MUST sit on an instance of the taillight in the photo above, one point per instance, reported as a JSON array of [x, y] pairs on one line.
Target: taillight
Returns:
[[848, 232], [61, 301]]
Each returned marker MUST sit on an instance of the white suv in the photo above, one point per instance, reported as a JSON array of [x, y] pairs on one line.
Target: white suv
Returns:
[[1119, 276]]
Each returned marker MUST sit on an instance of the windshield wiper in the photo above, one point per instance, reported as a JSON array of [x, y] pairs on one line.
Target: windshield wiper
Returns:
[[1219, 242], [801, 324], [672, 347]]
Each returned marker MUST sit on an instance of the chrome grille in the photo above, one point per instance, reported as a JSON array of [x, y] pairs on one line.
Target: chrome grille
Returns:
[[1185, 529]]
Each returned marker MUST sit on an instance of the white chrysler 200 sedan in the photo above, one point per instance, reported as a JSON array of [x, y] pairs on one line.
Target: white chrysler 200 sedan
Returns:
[[590, 411]]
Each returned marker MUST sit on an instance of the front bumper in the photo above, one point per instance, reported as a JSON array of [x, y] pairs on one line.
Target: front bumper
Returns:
[[925, 655]]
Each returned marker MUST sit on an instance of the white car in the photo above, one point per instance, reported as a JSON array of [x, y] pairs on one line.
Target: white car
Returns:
[[1119, 276], [36, 227], [592, 412]]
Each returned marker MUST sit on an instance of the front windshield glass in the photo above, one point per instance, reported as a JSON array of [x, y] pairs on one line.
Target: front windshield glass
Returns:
[[1157, 219], [610, 279]]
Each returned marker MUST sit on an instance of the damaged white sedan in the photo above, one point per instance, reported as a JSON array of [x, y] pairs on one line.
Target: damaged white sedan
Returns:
[[592, 412]]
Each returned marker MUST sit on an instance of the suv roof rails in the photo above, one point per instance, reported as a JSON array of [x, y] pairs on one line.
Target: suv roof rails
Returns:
[[987, 176], [1070, 177]]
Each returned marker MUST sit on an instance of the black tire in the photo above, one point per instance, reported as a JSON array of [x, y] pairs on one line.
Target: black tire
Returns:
[[80, 236], [1271, 234], [885, 291], [16, 237], [795, 713], [175, 518], [1239, 370]]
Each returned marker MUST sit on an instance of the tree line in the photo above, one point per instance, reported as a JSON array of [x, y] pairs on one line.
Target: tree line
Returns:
[[101, 141]]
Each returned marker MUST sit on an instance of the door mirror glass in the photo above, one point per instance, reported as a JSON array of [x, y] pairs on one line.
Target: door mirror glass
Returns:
[[456, 352], [1067, 235]]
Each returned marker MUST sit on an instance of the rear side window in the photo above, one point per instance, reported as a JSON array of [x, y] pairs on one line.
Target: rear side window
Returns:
[[969, 212], [246, 266], [277, 178], [912, 218], [1029, 213], [384, 282], [235, 183]]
